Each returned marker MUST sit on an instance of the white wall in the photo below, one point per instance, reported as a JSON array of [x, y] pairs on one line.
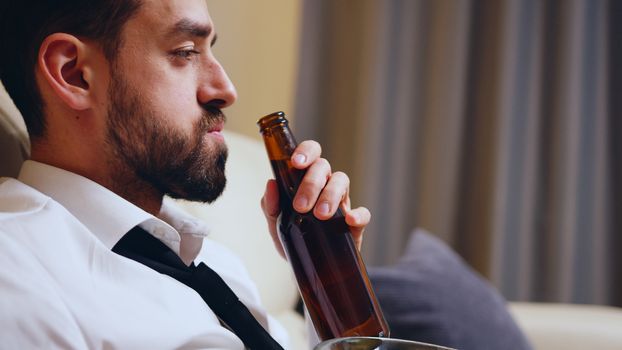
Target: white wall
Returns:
[[258, 46]]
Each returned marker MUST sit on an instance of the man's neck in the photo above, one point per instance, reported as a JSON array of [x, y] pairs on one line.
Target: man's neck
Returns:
[[137, 192], [124, 182]]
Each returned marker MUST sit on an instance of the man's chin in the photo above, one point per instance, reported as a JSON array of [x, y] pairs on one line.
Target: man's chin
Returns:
[[197, 193], [204, 181]]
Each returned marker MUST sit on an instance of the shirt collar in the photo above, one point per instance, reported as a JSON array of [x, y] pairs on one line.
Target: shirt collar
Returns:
[[109, 216]]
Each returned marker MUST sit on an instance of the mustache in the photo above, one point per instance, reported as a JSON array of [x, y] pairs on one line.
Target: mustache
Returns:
[[210, 118]]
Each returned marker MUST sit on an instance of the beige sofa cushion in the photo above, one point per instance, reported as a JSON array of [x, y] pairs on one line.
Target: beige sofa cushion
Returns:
[[570, 326], [14, 144]]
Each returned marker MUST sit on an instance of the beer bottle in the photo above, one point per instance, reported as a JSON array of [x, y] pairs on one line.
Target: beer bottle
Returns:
[[329, 271]]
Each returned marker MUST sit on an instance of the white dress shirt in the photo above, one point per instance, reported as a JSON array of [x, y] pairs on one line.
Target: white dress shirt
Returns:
[[62, 287]]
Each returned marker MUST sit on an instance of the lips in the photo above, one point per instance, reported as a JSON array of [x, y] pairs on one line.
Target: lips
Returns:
[[213, 121], [217, 127], [215, 131]]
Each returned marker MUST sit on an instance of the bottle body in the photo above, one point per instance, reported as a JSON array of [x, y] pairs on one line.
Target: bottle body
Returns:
[[329, 271]]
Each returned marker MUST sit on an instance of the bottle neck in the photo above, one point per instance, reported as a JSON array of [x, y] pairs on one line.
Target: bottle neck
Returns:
[[279, 141], [280, 145]]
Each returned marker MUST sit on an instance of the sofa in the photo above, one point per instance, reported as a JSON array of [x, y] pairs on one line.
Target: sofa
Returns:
[[237, 222]]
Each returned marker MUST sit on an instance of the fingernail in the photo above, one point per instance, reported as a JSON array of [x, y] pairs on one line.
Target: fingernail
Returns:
[[300, 159], [324, 208], [301, 202]]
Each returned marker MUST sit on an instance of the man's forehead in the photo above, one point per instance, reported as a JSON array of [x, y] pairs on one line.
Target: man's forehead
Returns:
[[157, 16]]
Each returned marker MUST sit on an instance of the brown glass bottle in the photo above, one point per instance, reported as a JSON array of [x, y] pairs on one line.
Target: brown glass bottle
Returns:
[[330, 273]]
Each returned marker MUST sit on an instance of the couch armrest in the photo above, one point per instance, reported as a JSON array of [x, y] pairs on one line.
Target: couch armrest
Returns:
[[569, 326]]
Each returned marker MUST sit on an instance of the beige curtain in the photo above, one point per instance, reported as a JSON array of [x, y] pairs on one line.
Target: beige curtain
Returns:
[[493, 124]]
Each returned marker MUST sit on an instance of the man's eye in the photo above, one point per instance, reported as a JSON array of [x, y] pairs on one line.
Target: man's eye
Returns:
[[186, 54]]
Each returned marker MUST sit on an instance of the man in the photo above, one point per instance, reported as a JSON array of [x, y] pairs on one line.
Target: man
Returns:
[[122, 100]]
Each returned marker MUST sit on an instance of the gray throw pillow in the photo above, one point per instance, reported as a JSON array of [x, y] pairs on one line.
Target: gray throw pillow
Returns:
[[432, 296]]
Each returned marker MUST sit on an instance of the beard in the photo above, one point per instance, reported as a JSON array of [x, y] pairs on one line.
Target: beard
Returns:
[[162, 156]]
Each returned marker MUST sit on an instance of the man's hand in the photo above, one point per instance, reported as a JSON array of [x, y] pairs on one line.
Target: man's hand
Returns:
[[321, 190]]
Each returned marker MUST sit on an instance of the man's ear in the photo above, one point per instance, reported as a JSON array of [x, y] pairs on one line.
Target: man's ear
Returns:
[[63, 65]]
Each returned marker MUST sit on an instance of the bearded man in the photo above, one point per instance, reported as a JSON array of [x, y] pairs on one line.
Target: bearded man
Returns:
[[122, 100]]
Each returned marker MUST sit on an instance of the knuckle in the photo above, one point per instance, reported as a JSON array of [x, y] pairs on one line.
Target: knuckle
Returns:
[[323, 162], [331, 194], [343, 177], [366, 214], [312, 182], [316, 144], [311, 146]]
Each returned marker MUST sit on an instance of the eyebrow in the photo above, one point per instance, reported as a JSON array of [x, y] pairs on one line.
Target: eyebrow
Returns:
[[188, 27]]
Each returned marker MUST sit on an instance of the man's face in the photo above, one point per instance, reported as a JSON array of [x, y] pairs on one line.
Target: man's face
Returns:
[[166, 91]]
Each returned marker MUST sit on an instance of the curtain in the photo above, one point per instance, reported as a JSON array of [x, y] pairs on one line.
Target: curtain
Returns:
[[494, 124]]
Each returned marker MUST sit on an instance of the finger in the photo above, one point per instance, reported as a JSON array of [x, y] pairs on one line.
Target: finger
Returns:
[[358, 219], [335, 191], [270, 207], [270, 199], [311, 186], [306, 154]]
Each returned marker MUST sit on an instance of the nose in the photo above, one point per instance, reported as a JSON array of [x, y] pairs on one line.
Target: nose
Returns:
[[215, 88]]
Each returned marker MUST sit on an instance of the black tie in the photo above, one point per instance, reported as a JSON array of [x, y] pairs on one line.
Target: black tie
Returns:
[[142, 247]]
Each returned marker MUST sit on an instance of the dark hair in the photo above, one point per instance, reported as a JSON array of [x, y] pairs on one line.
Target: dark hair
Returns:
[[24, 24]]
